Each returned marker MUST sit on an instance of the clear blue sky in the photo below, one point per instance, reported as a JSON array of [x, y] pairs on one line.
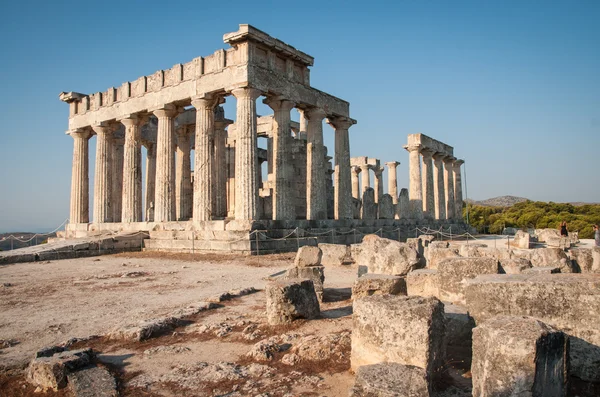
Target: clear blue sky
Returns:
[[514, 86]]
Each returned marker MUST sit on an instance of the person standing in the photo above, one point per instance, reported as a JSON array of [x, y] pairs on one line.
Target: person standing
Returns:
[[596, 236], [563, 229]]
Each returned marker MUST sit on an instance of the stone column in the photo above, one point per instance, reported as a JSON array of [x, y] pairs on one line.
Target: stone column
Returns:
[[415, 193], [280, 162], [164, 202], [344, 183], [355, 170], [102, 180], [439, 191], [316, 195], [80, 180], [150, 180], [117, 178], [403, 208], [220, 183], [132, 170], [449, 185], [458, 195], [393, 180], [303, 122], [246, 183], [378, 183], [365, 177], [427, 184], [183, 174]]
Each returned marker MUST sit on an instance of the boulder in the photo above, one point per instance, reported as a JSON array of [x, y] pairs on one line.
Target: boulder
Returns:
[[454, 272], [92, 382], [386, 207], [423, 282], [545, 257], [314, 273], [399, 329], [519, 356], [522, 239], [308, 256], [50, 372], [335, 254], [288, 300], [585, 260], [378, 284], [391, 380], [385, 256], [515, 266], [436, 255]]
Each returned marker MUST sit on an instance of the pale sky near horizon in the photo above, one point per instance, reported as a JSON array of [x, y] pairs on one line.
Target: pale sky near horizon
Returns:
[[513, 86]]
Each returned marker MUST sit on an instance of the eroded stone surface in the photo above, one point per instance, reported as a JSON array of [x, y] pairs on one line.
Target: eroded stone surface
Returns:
[[308, 256], [92, 382], [50, 372], [385, 256], [390, 380], [335, 254], [455, 271], [423, 282], [288, 300], [378, 284]]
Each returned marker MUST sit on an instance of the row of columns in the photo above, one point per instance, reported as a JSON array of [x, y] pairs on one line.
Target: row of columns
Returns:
[[365, 180], [168, 198]]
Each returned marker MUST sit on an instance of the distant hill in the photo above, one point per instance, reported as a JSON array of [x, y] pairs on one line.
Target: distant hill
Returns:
[[6, 245], [502, 201]]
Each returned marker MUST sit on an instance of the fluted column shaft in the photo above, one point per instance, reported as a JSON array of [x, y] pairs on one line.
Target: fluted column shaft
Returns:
[[246, 161], [355, 170], [427, 185], [365, 178], [316, 194], [132, 170], [102, 179], [458, 194], [393, 180], [183, 174], [378, 183], [283, 203], [344, 182], [438, 186], [117, 178], [220, 184], [449, 185], [164, 202], [415, 182], [150, 180], [80, 195]]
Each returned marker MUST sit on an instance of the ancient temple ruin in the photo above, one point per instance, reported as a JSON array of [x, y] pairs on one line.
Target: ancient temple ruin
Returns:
[[224, 199]]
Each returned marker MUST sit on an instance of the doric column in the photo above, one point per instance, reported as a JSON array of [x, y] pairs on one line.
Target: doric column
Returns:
[[393, 180], [458, 195], [283, 203], [344, 182], [316, 196], [220, 183], [449, 185], [150, 180], [183, 174], [102, 179], [80, 195], [438, 185], [355, 170], [117, 178], [414, 169], [378, 171], [365, 178], [246, 183], [303, 122], [164, 202], [132, 169], [427, 184]]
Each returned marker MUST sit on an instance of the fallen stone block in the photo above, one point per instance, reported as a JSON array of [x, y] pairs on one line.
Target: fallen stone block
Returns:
[[385, 256], [50, 372], [544, 257], [308, 256], [439, 244], [585, 260], [474, 250], [416, 244], [515, 266], [288, 300], [401, 329], [519, 356], [335, 254], [521, 239], [378, 284], [423, 282], [146, 329], [314, 273], [454, 272], [459, 333], [542, 270], [92, 382], [391, 380], [437, 255]]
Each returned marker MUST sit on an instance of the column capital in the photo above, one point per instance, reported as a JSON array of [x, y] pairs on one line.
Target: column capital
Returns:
[[222, 124], [169, 110], [134, 119], [458, 163], [439, 156], [80, 133], [412, 148], [246, 92], [378, 171], [427, 153], [365, 167], [392, 164], [279, 103], [356, 169], [338, 122], [315, 114], [206, 101], [449, 160], [104, 128]]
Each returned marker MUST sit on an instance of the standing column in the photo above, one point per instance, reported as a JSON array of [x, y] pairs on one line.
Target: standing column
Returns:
[[378, 183], [355, 170], [283, 205], [427, 184], [132, 170], [164, 202], [150, 180], [458, 195], [393, 180], [303, 122], [102, 180], [438, 185], [344, 183], [183, 174], [365, 178], [316, 194], [117, 178], [414, 169], [80, 195], [220, 184], [449, 185], [246, 161]]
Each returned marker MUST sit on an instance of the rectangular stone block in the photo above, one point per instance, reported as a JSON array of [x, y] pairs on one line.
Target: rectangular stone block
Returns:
[[454, 272], [423, 282], [378, 284], [391, 379], [335, 254], [399, 329]]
